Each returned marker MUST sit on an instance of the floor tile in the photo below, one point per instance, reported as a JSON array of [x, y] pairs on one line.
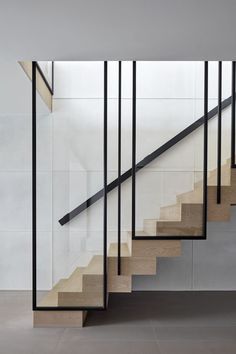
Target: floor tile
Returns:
[[114, 347], [195, 333], [108, 333], [183, 347]]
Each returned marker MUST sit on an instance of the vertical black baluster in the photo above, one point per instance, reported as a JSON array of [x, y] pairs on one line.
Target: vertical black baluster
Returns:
[[53, 77], [219, 133], [233, 117], [205, 153], [134, 150], [119, 169], [105, 187], [34, 191]]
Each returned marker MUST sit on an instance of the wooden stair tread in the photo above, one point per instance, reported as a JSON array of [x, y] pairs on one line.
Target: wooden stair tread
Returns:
[[51, 298], [113, 250], [95, 266], [172, 211], [74, 282]]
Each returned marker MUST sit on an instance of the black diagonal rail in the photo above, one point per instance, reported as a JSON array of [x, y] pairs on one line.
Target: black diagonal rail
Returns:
[[147, 160]]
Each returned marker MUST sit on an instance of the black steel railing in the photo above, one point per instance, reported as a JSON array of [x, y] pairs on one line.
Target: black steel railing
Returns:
[[233, 116], [205, 151], [119, 170], [134, 167], [218, 189], [35, 305]]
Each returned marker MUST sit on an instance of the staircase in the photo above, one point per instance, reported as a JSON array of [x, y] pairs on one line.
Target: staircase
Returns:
[[88, 287], [139, 257]]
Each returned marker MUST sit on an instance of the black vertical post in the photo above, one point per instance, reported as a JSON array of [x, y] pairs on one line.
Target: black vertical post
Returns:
[[219, 133], [119, 170], [233, 117], [133, 149], [205, 148], [53, 77], [34, 195], [105, 188]]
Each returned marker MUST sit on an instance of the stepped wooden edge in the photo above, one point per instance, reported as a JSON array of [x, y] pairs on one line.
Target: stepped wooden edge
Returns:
[[215, 212], [40, 84], [138, 261], [138, 257]]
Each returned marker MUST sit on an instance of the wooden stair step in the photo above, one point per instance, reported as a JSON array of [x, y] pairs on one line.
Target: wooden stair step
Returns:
[[80, 298], [171, 212], [191, 197], [119, 283], [95, 266], [113, 250], [129, 265], [155, 248], [51, 298], [59, 319], [189, 224]]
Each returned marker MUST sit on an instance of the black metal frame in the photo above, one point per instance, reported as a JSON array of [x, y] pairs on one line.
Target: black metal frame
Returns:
[[133, 222], [119, 170], [205, 152], [205, 164], [233, 165], [50, 88], [218, 188], [34, 189], [35, 307]]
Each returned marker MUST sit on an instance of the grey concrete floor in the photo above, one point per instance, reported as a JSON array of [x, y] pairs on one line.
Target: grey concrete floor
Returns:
[[141, 322]]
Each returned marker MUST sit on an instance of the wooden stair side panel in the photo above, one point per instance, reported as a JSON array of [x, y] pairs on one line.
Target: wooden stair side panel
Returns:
[[189, 225], [51, 297], [149, 226], [88, 299], [156, 248], [133, 265], [192, 197], [119, 283], [59, 319], [212, 177], [171, 212], [218, 212], [92, 283]]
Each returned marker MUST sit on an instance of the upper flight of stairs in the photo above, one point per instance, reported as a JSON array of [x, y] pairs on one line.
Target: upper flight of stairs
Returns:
[[138, 257], [185, 216]]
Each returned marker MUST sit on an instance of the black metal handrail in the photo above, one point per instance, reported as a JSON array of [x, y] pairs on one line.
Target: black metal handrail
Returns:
[[147, 160]]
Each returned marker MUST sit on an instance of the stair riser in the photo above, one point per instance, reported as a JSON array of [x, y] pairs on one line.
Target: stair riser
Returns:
[[172, 212], [59, 319], [190, 224], [133, 266], [80, 299], [153, 248], [119, 284], [92, 283]]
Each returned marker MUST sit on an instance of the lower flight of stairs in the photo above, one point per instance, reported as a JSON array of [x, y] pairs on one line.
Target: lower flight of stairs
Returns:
[[85, 285], [138, 257]]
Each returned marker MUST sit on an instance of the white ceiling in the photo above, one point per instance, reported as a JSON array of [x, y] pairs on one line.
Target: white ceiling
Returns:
[[118, 29]]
